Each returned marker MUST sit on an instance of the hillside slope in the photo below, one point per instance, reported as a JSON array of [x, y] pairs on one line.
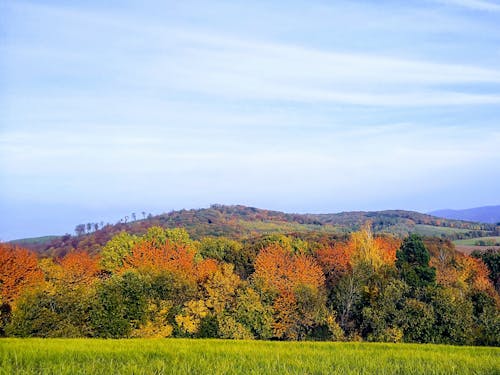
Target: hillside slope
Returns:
[[241, 222]]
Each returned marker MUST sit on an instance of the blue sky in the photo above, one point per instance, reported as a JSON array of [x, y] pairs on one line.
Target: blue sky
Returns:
[[300, 106]]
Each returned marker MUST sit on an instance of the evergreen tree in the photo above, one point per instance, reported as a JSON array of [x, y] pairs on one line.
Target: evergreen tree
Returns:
[[412, 261]]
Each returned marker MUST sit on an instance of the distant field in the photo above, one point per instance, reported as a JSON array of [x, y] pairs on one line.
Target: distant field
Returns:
[[468, 246], [469, 249], [285, 227], [431, 230], [34, 240], [473, 241], [184, 356]]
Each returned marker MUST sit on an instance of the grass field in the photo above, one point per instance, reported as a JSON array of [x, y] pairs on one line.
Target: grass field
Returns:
[[472, 241], [431, 230], [184, 356]]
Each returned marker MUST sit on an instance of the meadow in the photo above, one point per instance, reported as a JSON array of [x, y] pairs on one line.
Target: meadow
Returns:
[[431, 230], [212, 356], [474, 241]]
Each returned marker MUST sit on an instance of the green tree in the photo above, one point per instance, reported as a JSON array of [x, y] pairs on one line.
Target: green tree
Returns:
[[454, 317], [46, 312], [412, 262], [417, 321], [120, 306], [381, 318], [253, 313], [229, 251]]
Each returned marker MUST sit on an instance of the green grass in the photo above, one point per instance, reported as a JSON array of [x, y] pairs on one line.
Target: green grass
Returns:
[[472, 241], [184, 356]]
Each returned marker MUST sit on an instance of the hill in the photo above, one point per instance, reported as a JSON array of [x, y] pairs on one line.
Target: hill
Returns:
[[241, 222], [34, 241], [486, 214]]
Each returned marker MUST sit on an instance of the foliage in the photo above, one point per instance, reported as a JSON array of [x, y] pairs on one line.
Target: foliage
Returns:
[[18, 270], [240, 222], [116, 250], [382, 317], [491, 259], [454, 317], [413, 262], [120, 306], [362, 286]]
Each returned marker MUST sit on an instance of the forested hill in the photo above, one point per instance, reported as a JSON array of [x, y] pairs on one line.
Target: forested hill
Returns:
[[486, 214], [241, 222]]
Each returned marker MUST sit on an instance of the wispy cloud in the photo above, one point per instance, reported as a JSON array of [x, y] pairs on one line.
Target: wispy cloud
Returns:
[[474, 4], [195, 61]]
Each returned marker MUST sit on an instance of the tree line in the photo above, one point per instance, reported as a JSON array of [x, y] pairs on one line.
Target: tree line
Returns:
[[272, 287]]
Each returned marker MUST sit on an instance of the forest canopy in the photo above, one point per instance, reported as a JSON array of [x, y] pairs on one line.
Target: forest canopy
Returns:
[[164, 283]]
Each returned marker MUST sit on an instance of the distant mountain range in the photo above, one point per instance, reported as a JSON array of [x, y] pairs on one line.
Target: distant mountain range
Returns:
[[486, 214], [241, 222]]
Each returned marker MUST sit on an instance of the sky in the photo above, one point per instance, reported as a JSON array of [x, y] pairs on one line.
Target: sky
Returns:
[[109, 108]]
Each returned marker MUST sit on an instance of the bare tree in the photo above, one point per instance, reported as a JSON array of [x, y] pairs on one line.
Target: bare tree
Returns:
[[80, 229]]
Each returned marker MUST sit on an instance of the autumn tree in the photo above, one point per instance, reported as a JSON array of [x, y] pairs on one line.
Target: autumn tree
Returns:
[[116, 249], [227, 308], [59, 306], [491, 258], [230, 251], [369, 250], [149, 256], [367, 265], [18, 270], [295, 285], [335, 260], [79, 268]]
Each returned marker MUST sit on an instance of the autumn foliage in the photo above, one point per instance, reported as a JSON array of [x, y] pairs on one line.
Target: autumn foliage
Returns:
[[361, 286], [280, 270], [287, 276], [79, 267], [161, 257], [335, 260], [361, 247], [151, 256], [18, 270]]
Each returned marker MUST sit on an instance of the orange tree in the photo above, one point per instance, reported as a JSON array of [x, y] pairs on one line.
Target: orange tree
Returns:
[[295, 285]]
